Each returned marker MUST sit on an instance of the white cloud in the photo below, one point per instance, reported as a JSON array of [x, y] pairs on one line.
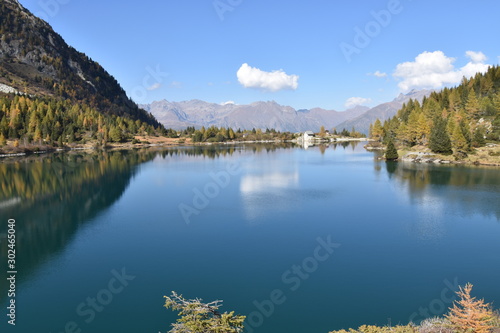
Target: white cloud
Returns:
[[228, 103], [435, 70], [154, 87], [353, 101], [472, 69], [476, 57], [378, 74], [251, 77]]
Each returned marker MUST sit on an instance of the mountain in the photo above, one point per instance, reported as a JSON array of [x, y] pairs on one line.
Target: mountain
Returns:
[[383, 111], [179, 115], [36, 61]]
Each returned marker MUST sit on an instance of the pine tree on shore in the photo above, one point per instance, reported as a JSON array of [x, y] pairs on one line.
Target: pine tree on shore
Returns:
[[439, 141], [391, 153]]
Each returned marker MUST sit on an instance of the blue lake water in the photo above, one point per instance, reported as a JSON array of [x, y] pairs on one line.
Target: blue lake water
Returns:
[[299, 240]]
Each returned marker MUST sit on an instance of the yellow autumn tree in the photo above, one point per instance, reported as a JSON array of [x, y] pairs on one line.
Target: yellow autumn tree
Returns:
[[469, 314]]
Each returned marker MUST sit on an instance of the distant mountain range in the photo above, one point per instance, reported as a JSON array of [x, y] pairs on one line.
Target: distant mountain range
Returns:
[[179, 115]]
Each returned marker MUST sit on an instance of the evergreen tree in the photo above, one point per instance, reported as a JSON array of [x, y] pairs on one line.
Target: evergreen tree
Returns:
[[198, 317], [439, 141], [345, 132], [478, 139], [391, 153], [197, 136]]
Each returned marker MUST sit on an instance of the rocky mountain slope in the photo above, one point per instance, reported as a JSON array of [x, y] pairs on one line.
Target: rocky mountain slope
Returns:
[[35, 60]]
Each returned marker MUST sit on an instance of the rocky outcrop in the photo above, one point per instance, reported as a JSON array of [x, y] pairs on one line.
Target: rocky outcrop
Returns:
[[419, 157]]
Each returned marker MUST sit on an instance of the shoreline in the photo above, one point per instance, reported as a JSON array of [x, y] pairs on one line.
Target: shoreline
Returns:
[[482, 156]]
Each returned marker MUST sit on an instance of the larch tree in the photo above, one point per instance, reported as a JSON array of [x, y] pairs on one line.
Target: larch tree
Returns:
[[377, 130], [458, 140], [322, 132], [469, 314], [472, 106]]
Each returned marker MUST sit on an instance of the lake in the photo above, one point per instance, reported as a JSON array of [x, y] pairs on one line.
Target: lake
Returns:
[[300, 240]]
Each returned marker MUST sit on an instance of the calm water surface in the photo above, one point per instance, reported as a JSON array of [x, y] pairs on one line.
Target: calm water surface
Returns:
[[334, 237]]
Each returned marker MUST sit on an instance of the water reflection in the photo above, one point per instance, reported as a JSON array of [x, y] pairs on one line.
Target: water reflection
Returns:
[[218, 150], [268, 188], [52, 196], [437, 190], [252, 184]]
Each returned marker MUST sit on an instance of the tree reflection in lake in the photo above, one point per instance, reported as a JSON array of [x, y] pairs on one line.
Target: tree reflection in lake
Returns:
[[51, 196], [440, 189]]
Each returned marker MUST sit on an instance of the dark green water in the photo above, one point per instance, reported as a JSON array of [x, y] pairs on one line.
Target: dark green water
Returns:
[[299, 240]]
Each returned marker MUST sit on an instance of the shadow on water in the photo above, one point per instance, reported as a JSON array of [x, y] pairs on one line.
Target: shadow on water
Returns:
[[51, 197]]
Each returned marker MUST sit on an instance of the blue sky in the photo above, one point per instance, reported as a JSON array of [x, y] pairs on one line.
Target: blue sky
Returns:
[[318, 53]]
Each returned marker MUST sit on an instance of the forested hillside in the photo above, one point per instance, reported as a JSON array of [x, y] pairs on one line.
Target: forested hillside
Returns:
[[454, 120], [65, 92], [55, 122]]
